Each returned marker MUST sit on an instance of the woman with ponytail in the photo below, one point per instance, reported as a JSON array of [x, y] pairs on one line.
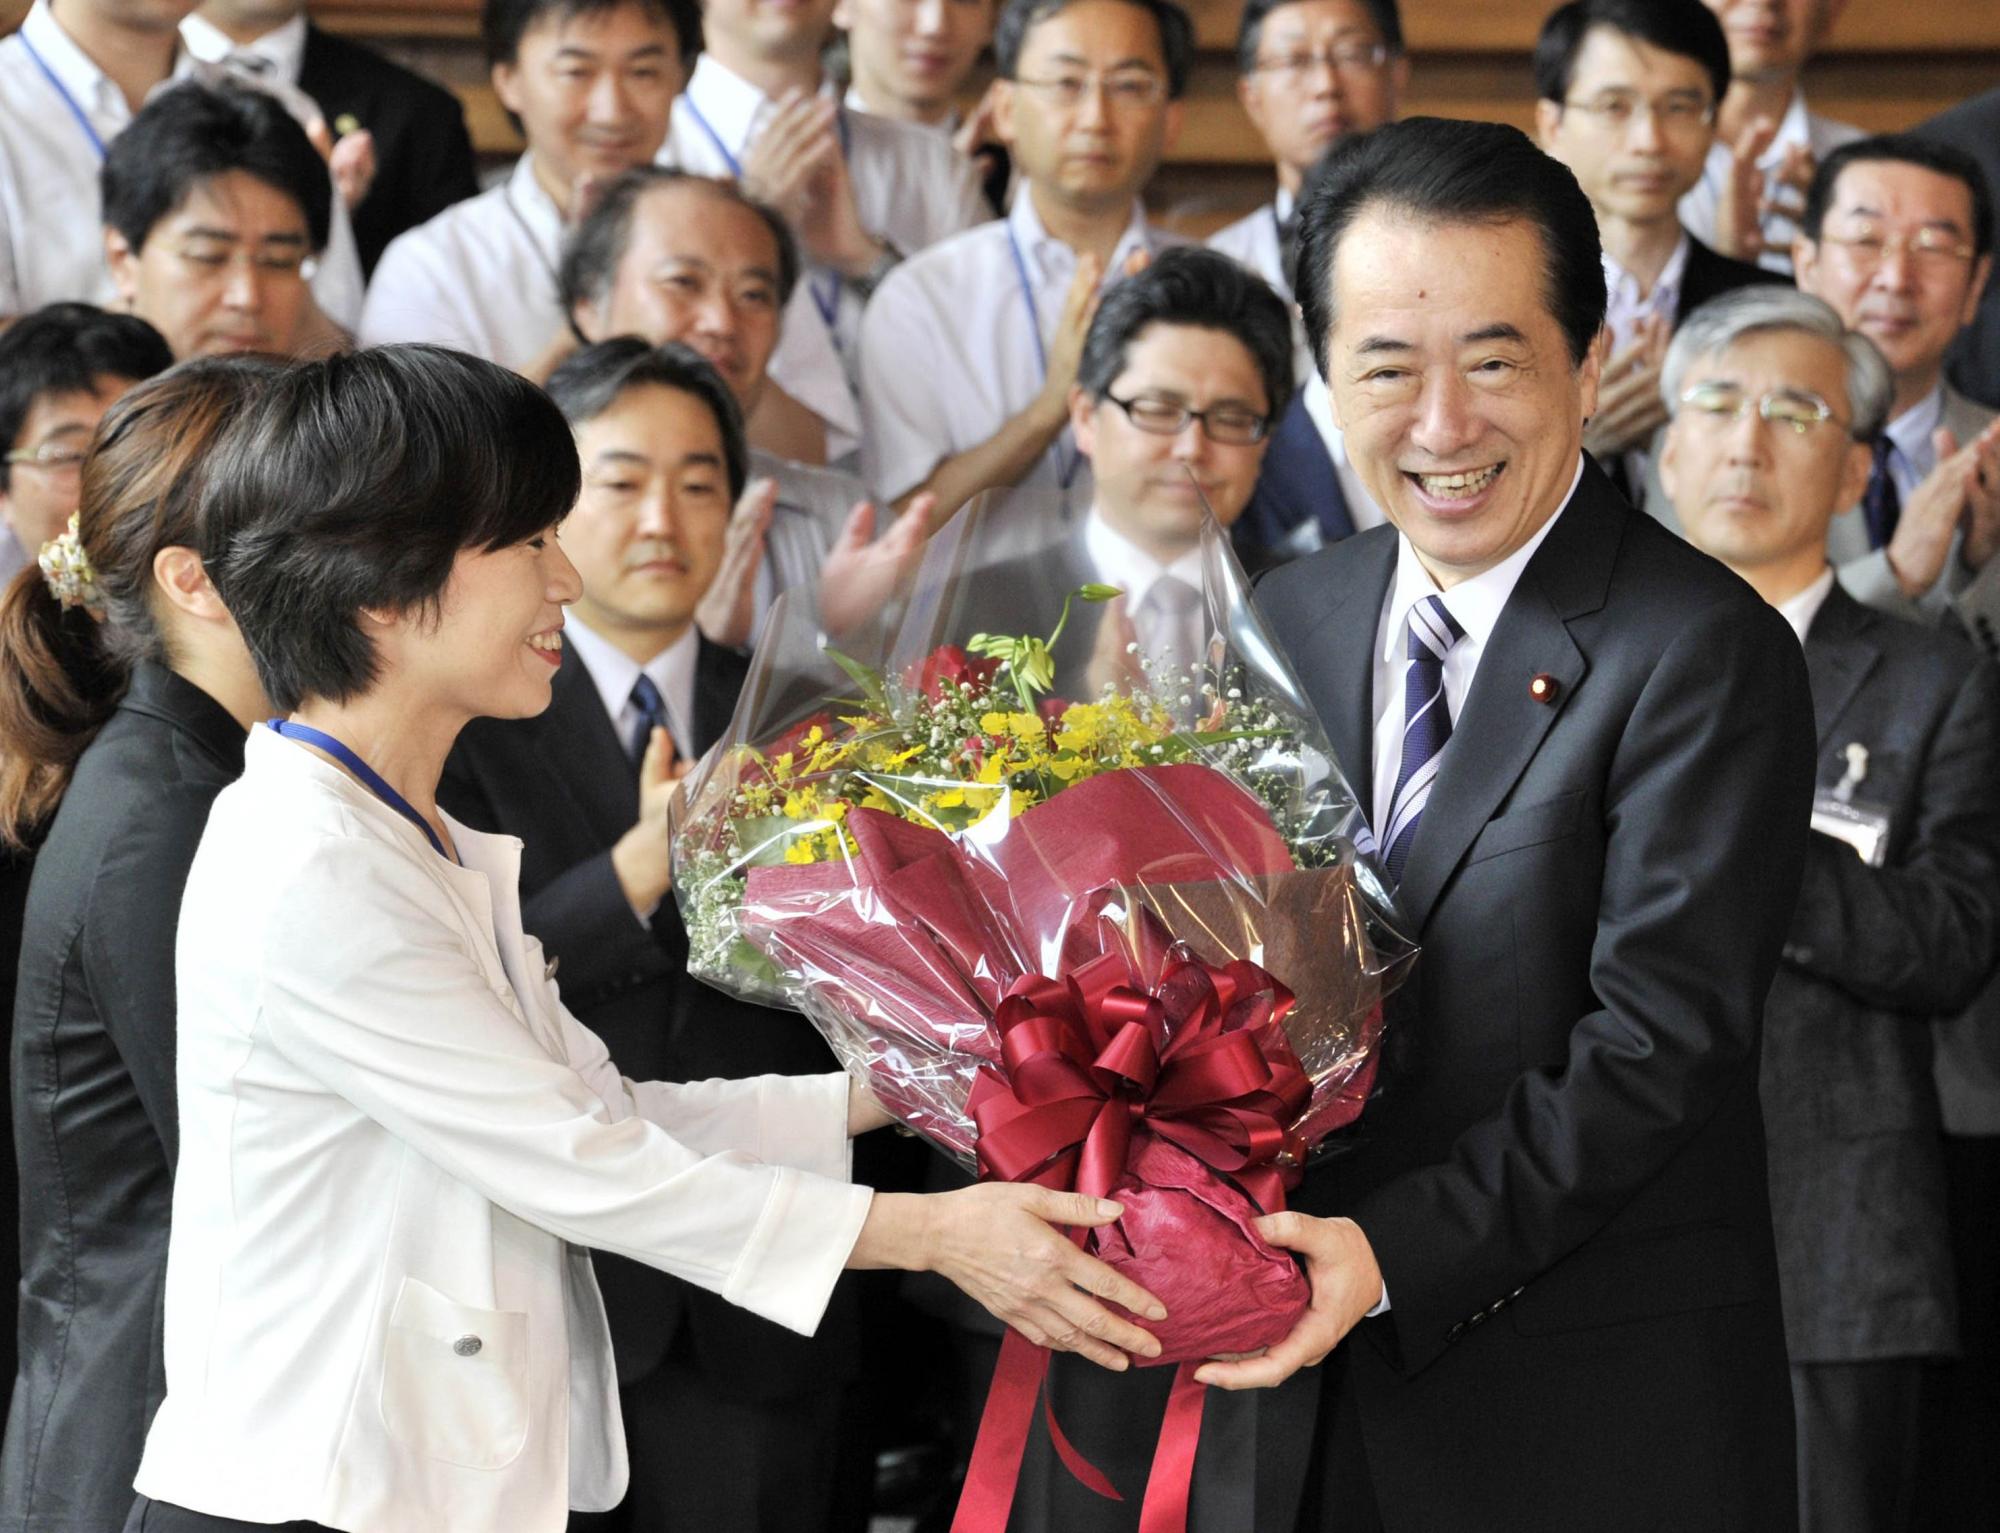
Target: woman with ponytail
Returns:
[[125, 697]]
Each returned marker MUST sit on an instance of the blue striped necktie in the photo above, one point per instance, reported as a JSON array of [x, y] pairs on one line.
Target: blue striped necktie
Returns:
[[1426, 726], [652, 710]]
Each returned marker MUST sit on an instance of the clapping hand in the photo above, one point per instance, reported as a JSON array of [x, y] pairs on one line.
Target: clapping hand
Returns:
[[1629, 404], [1739, 218], [1964, 489], [1346, 1285], [728, 609], [642, 858], [861, 575], [350, 160], [797, 166]]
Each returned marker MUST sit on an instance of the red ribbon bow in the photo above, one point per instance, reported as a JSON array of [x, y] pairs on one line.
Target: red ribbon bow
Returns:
[[1090, 1061]]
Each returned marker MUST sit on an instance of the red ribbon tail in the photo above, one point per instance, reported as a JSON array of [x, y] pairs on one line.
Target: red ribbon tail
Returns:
[[1169, 1485], [1087, 1474], [1003, 1437]]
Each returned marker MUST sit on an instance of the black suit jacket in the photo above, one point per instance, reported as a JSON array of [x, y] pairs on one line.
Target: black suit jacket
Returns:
[[563, 784], [93, 1100], [1709, 274], [423, 154], [1563, 1175], [1857, 1174], [1974, 361]]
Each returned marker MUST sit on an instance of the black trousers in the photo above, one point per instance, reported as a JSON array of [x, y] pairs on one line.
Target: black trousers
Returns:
[[1857, 1444], [1958, 1486], [159, 1517]]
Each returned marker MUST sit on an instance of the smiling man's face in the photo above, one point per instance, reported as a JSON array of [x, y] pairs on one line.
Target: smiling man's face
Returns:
[[1462, 407]]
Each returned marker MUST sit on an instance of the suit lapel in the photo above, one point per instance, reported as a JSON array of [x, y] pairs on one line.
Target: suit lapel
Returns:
[[1839, 656], [581, 746], [719, 675], [1502, 724]]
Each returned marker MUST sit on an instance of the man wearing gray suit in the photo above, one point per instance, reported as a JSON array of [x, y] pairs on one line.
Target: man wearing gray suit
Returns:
[[1898, 918]]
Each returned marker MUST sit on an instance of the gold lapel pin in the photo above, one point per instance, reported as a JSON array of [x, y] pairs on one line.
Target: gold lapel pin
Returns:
[[346, 123], [1544, 687]]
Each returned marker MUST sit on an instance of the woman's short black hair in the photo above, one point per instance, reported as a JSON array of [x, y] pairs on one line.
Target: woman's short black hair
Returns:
[[590, 381], [70, 348], [503, 23], [595, 250], [355, 483], [1204, 290], [1250, 27], [1686, 28], [1437, 170], [1903, 149], [193, 133], [1020, 17]]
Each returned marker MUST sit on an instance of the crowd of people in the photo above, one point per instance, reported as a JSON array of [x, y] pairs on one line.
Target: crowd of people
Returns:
[[1626, 496]]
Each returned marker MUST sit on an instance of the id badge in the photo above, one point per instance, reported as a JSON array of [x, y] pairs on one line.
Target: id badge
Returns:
[[1862, 825]]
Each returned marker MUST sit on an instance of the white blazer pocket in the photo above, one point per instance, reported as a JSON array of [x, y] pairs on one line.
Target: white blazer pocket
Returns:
[[455, 1379]]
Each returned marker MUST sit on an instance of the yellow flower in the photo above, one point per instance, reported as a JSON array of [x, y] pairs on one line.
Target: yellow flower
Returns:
[[801, 851], [993, 723]]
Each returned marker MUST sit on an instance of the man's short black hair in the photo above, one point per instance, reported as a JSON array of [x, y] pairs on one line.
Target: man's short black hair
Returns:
[[193, 133], [69, 348], [503, 23], [1020, 17], [1205, 290], [591, 381], [1436, 170], [596, 247], [1683, 27], [1250, 29], [1906, 149], [355, 483]]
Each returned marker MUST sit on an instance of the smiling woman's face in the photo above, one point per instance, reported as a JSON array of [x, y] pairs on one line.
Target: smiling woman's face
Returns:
[[1462, 409]]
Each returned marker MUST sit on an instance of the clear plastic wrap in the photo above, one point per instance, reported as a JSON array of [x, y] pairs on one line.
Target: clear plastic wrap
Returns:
[[1053, 895]]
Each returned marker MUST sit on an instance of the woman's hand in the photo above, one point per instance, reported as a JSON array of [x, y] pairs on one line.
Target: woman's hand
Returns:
[[995, 1242]]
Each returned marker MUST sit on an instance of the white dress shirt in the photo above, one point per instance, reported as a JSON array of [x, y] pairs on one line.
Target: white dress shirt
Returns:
[[945, 127], [1625, 306], [1800, 608], [57, 110], [1118, 561], [1361, 507], [1252, 241], [1913, 454], [1476, 604], [910, 186], [1798, 127], [480, 277], [953, 347], [813, 505], [278, 55], [396, 1143], [13, 557], [615, 674]]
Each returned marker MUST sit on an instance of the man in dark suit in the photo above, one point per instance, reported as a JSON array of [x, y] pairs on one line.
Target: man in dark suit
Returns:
[[423, 155], [1588, 755], [1909, 734], [732, 1423], [1628, 92]]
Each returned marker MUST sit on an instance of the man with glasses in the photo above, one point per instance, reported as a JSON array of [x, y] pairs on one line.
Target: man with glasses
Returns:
[[61, 368], [1897, 236], [969, 350], [1898, 919], [1627, 92]]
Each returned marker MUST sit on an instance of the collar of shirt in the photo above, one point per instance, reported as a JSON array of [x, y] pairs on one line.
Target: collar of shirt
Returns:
[[88, 86], [1800, 608], [1476, 603], [1118, 561], [1361, 507], [1053, 262], [1283, 204], [1625, 305], [283, 48], [1910, 433], [539, 214], [730, 104], [615, 673], [944, 127]]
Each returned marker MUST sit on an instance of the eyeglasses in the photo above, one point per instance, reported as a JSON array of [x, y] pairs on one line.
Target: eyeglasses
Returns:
[[1225, 425], [1616, 111], [1870, 245], [1721, 402], [1341, 58], [1130, 91], [50, 457]]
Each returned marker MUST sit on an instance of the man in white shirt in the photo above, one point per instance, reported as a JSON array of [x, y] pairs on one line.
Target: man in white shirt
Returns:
[[1627, 96], [1767, 142], [970, 349], [1881, 943], [71, 81], [1897, 237], [861, 192]]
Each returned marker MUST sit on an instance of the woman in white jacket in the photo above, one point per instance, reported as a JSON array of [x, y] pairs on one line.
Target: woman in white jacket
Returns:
[[396, 1144]]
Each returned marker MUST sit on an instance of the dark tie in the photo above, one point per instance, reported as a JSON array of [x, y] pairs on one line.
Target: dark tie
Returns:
[[1288, 250], [1880, 503], [652, 710], [1426, 726]]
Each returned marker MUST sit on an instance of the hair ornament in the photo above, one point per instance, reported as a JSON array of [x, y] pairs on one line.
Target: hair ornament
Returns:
[[68, 570]]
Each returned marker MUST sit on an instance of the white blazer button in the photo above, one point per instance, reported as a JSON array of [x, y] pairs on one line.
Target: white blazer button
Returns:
[[467, 1346]]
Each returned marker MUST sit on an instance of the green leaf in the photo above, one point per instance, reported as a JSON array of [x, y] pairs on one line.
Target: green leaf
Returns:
[[1095, 592], [763, 838], [867, 678]]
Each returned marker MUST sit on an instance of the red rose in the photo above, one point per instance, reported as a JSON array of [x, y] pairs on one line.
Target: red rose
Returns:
[[949, 663]]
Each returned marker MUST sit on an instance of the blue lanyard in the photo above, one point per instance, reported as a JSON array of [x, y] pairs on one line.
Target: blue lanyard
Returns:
[[61, 90], [370, 778], [1068, 465], [825, 291]]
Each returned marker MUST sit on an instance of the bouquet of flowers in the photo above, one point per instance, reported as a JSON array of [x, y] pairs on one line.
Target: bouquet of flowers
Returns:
[[1077, 913]]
